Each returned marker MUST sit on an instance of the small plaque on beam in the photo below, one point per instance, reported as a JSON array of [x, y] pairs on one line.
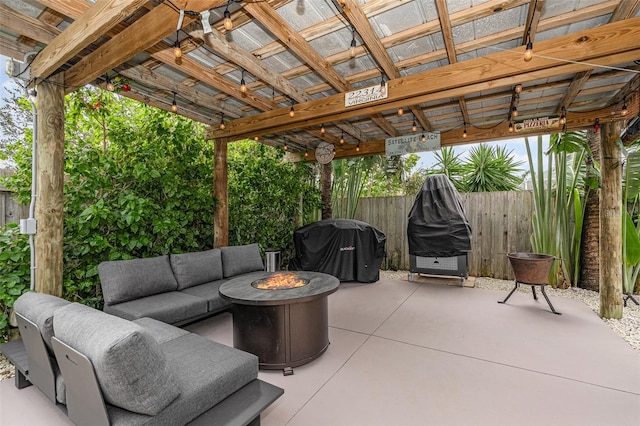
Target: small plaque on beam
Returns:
[[540, 123], [412, 143], [366, 94]]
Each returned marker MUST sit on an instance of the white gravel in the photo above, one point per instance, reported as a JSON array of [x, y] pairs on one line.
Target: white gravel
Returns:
[[628, 327]]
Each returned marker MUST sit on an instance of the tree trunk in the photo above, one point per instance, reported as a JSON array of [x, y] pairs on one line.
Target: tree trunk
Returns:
[[611, 222], [50, 186], [325, 178], [590, 243], [221, 192]]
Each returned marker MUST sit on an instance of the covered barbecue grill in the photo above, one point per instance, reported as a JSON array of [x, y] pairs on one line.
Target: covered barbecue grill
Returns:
[[350, 250], [438, 231]]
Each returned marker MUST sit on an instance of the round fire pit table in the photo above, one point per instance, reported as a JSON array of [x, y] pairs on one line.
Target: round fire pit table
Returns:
[[284, 327]]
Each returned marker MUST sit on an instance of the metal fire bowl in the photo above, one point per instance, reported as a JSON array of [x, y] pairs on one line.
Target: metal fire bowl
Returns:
[[531, 268]]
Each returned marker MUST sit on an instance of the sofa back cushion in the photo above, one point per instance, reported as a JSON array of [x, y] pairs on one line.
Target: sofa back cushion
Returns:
[[39, 308], [238, 260], [196, 268], [124, 280], [130, 367]]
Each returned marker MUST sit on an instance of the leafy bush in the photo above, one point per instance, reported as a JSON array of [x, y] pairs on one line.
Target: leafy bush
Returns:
[[14, 272], [268, 198]]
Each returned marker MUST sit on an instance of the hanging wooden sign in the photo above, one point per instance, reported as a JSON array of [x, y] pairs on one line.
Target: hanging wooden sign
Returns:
[[540, 123], [365, 95]]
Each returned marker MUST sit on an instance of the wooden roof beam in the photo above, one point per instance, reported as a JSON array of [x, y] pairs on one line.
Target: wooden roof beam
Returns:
[[623, 11], [94, 23], [606, 45], [145, 33]]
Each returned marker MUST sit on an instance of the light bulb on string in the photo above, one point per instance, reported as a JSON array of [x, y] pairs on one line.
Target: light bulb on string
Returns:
[[518, 88], [222, 126], [624, 110], [528, 53], [342, 138], [464, 133], [400, 111], [322, 129], [563, 116], [358, 147], [243, 84], [174, 105], [292, 113], [285, 146], [352, 51], [177, 51], [424, 138], [514, 111], [228, 23], [110, 86], [414, 127], [383, 86], [510, 126]]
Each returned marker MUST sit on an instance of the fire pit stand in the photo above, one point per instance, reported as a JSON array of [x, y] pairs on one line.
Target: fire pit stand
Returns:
[[532, 269], [286, 327]]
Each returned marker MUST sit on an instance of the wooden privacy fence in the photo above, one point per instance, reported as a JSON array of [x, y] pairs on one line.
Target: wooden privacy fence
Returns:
[[500, 223], [10, 210]]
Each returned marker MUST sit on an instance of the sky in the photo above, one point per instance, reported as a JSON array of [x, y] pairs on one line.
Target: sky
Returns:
[[427, 159]]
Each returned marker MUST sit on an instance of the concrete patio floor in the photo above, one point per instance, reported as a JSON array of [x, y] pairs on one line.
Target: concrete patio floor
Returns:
[[406, 353]]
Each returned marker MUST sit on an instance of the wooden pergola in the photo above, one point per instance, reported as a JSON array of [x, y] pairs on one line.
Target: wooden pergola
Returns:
[[284, 73]]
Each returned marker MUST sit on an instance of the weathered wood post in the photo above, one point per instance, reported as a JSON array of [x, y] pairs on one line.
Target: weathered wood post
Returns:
[[610, 222], [221, 192], [50, 182]]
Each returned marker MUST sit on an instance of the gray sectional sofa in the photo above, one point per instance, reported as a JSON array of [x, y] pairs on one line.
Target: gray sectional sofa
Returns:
[[176, 289], [103, 369]]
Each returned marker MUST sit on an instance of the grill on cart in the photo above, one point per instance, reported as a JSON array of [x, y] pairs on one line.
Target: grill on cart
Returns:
[[438, 231]]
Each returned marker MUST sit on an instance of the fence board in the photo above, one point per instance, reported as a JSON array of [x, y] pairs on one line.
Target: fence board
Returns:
[[500, 223], [10, 209]]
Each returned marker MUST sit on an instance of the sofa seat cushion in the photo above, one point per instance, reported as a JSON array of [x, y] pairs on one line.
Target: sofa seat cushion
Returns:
[[209, 291], [196, 268], [39, 308], [169, 307], [238, 260], [159, 330], [209, 372], [124, 280], [132, 370]]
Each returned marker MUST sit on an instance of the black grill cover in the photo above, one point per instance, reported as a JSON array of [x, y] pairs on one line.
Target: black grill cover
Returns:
[[437, 225], [350, 250]]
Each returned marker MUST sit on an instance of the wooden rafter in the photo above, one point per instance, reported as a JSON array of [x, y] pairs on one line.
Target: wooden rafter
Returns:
[[96, 21], [623, 11], [610, 44]]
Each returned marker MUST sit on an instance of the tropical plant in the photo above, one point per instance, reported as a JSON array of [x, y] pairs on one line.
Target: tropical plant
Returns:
[[14, 272], [631, 223], [349, 178], [450, 164], [491, 169], [557, 219]]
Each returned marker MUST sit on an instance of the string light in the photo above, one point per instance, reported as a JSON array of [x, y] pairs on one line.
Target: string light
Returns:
[[177, 51], [110, 86], [243, 85], [528, 53], [424, 138], [322, 129], [414, 127], [256, 138], [510, 126], [306, 154], [222, 126], [285, 146], [342, 138], [464, 133], [518, 88], [625, 110], [292, 113], [383, 86], [400, 111], [174, 105], [228, 23], [563, 116], [514, 111], [353, 42], [358, 147]]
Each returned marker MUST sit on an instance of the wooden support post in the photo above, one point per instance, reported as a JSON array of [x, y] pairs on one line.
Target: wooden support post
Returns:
[[221, 192], [325, 178], [50, 181], [611, 222]]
